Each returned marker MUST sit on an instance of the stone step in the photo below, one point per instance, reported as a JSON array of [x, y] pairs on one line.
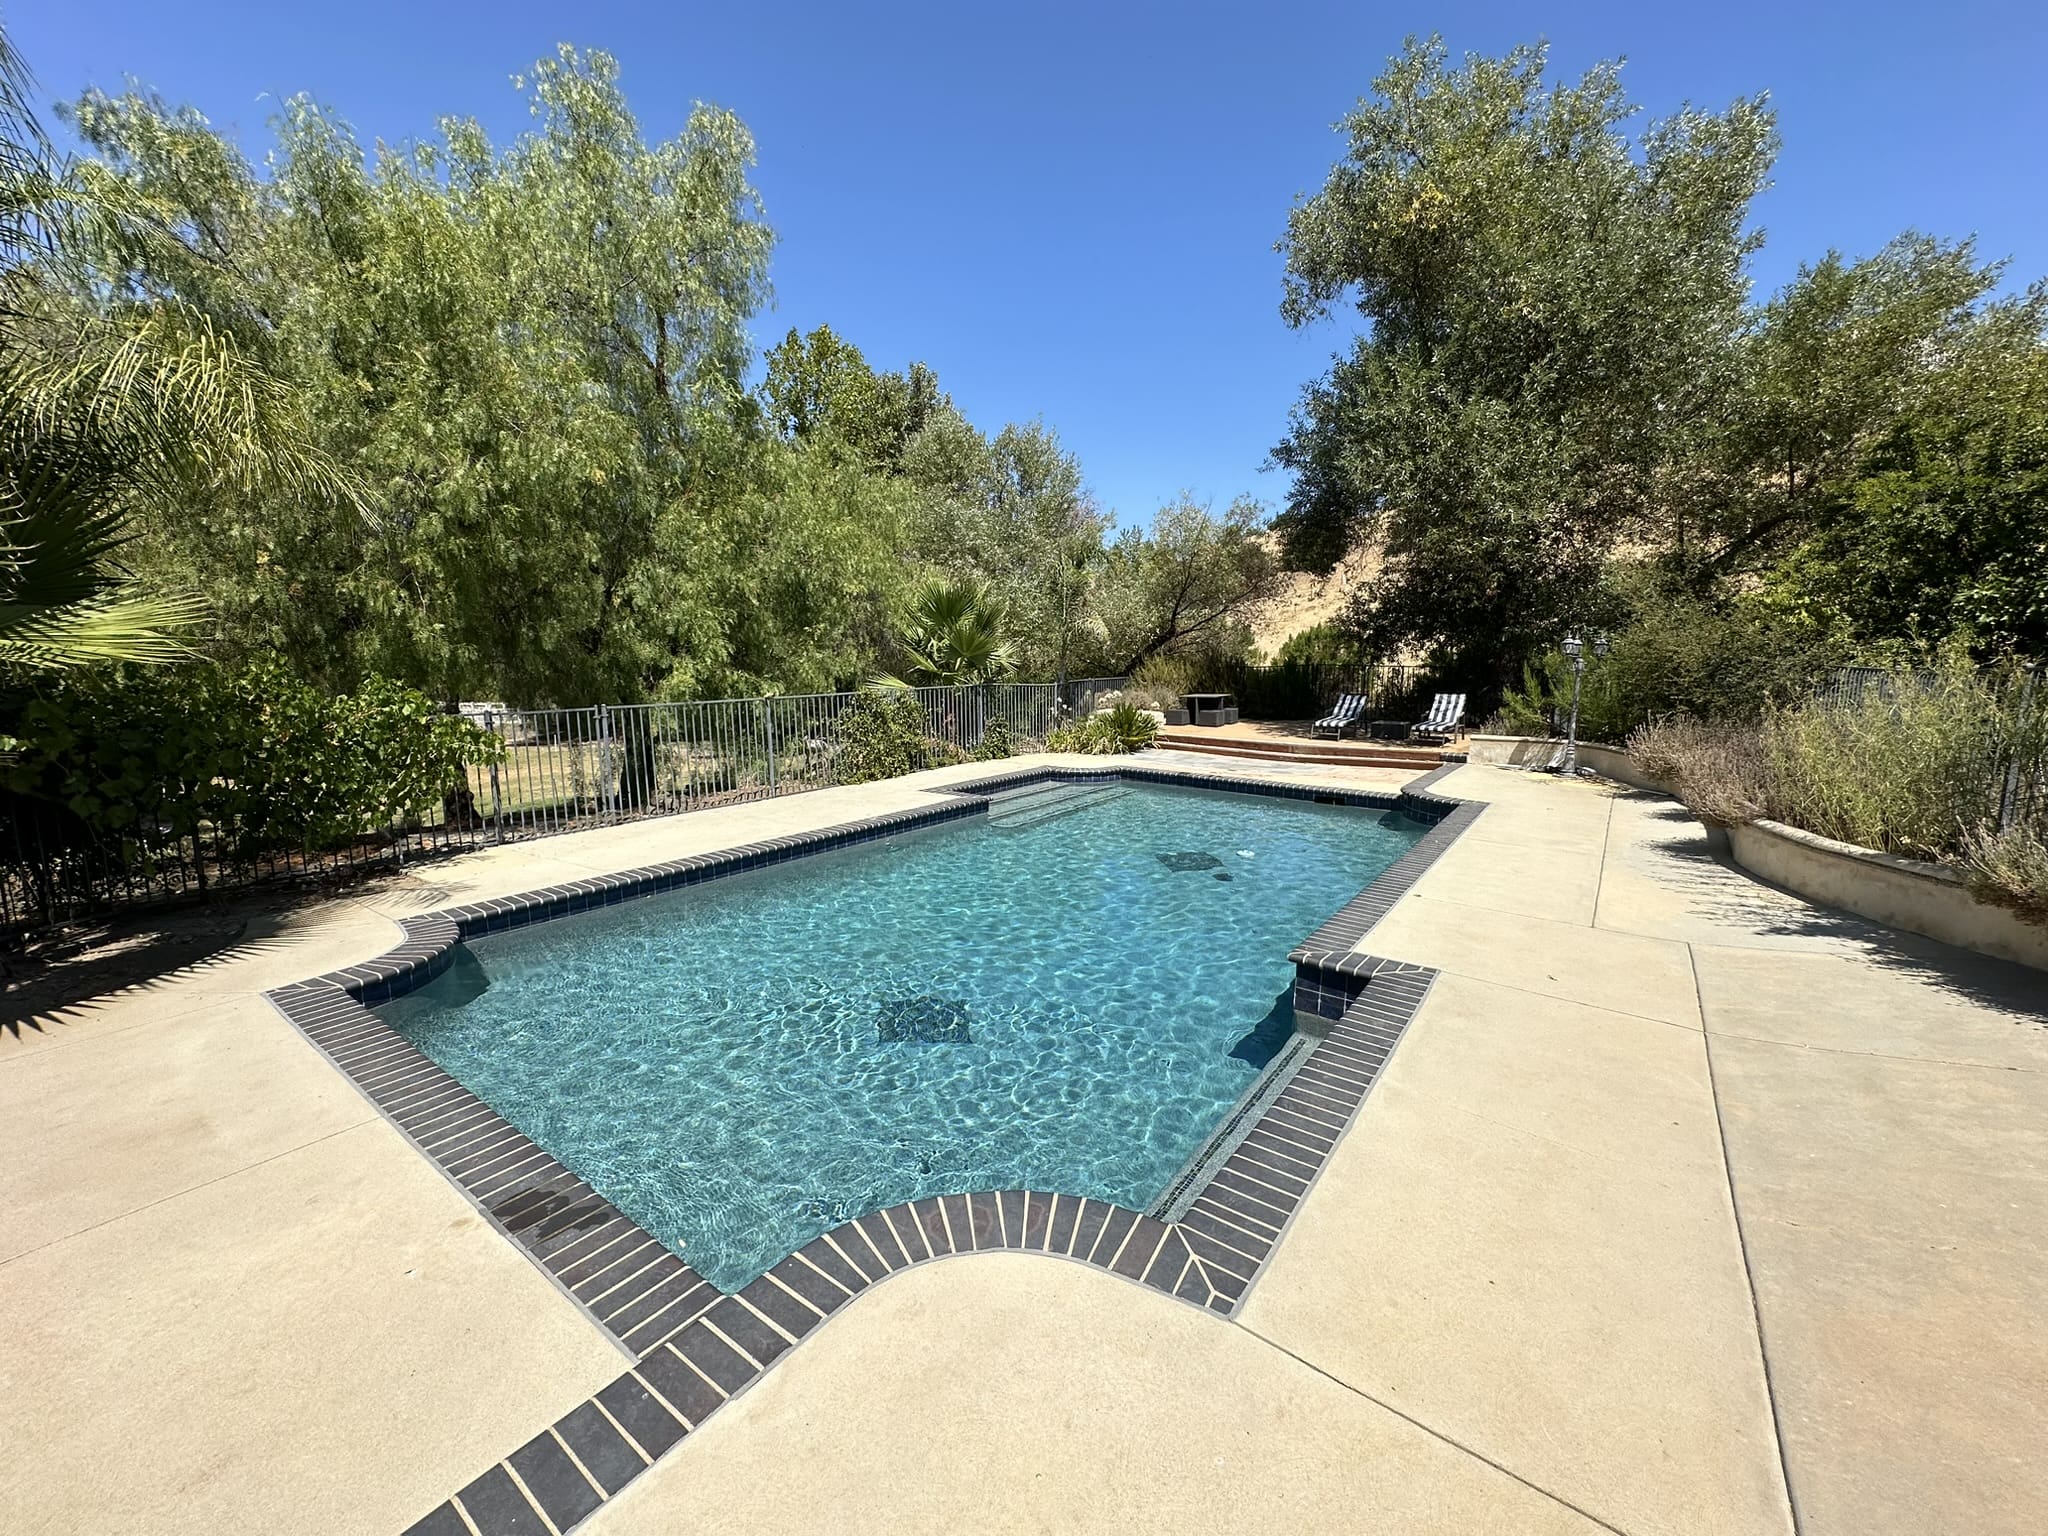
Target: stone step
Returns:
[[1355, 755]]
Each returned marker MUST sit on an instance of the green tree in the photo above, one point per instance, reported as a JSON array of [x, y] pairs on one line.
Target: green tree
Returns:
[[107, 412], [1192, 584], [533, 354], [1549, 303]]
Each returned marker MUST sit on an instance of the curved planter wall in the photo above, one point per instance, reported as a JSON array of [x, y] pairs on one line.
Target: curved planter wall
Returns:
[[1928, 899], [1541, 752]]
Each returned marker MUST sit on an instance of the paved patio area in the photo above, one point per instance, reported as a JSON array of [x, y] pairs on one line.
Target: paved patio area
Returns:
[[1683, 1207]]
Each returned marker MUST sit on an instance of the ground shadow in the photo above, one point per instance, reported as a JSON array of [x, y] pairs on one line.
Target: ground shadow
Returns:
[[1720, 890]]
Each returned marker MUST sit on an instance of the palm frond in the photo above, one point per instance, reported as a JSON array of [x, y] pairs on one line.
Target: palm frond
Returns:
[[64, 601], [120, 623]]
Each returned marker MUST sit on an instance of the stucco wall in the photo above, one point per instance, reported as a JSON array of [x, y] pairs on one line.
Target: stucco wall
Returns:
[[1539, 752], [1922, 898], [1928, 899]]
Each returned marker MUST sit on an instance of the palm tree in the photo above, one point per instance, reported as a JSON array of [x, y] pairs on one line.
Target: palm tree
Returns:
[[105, 403], [954, 637]]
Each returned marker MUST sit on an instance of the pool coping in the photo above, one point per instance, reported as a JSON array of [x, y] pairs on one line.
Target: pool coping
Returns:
[[694, 1347]]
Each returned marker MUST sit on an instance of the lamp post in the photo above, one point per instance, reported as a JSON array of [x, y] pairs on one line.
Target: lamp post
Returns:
[[1575, 648]]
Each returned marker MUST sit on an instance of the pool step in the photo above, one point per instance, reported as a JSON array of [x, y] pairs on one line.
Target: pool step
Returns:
[[1330, 753], [1022, 811]]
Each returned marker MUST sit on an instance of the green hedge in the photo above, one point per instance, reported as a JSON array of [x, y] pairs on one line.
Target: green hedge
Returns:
[[255, 759]]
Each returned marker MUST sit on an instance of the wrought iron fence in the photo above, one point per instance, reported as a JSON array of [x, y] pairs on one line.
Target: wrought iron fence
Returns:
[[563, 770], [569, 768]]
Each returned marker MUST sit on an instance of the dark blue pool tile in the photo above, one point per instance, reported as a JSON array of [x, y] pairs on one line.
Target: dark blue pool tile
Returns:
[[985, 1220], [960, 1223], [563, 1492], [828, 1261], [640, 1414], [1059, 1233], [440, 1521], [931, 1224], [497, 1508], [785, 1311], [882, 1239], [1116, 1225], [1140, 1244], [747, 1330], [1011, 1204], [680, 1385], [806, 1282], [599, 1446], [1237, 1250], [1037, 1219], [1168, 1262], [903, 1221], [1088, 1226], [662, 1306], [713, 1357], [860, 1253], [615, 1268]]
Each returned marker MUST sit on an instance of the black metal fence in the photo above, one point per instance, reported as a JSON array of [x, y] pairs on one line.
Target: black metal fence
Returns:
[[563, 770]]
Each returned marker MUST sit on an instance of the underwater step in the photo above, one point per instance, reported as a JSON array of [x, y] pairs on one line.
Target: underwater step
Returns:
[[1044, 808]]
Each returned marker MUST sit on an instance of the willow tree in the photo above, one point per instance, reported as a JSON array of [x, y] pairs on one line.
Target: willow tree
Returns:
[[532, 355], [108, 411]]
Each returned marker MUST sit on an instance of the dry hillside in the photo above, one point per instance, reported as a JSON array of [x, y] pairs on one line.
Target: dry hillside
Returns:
[[1305, 601]]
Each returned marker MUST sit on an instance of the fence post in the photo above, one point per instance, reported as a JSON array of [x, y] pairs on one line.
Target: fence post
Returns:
[[497, 815], [609, 789], [768, 733], [2008, 799]]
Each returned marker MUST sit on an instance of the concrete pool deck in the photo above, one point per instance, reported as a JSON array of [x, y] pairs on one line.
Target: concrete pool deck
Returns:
[[1670, 1172]]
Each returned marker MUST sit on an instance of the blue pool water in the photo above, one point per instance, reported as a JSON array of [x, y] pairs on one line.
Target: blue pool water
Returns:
[[1066, 996]]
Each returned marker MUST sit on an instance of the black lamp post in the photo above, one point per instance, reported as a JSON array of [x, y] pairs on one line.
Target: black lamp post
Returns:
[[1575, 648]]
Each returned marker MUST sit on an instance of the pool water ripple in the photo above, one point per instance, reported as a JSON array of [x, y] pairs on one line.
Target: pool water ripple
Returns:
[[712, 1060]]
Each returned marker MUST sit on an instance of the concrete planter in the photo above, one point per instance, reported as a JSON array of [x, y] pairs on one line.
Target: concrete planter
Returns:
[[1928, 899], [1542, 752]]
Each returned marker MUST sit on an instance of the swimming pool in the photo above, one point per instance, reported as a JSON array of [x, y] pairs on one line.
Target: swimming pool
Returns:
[[1066, 995]]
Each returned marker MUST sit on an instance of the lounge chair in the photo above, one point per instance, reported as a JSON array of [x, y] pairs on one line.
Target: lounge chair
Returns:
[[1348, 714], [1445, 719]]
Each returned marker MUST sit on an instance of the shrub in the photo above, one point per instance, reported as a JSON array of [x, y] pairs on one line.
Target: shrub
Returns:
[[996, 740], [258, 758], [1716, 768], [1122, 729], [882, 735], [1907, 769], [2009, 869], [1918, 765], [1160, 682]]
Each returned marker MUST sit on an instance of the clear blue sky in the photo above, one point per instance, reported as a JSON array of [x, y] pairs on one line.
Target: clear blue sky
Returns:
[[1069, 210]]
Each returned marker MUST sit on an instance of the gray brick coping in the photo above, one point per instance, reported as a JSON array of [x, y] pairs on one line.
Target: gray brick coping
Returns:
[[695, 1347]]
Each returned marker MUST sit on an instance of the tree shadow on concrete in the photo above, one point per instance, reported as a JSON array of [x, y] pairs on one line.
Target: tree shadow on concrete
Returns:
[[1722, 891]]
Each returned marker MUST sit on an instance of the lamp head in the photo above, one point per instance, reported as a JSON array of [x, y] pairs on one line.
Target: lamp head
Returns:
[[1600, 645], [1573, 646]]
